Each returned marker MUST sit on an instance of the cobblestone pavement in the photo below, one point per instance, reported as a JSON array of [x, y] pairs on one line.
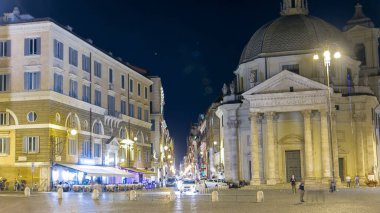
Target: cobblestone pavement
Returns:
[[276, 200]]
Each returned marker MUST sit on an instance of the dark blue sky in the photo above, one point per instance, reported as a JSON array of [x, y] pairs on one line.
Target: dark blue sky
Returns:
[[194, 45]]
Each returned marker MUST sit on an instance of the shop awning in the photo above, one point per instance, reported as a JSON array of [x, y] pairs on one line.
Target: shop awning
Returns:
[[99, 170], [142, 171]]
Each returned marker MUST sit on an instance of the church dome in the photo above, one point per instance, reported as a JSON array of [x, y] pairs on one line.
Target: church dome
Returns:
[[295, 32]]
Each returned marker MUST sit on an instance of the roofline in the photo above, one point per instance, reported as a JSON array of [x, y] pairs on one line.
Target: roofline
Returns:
[[137, 69]]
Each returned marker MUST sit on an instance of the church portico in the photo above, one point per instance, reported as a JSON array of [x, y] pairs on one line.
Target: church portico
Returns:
[[289, 140]]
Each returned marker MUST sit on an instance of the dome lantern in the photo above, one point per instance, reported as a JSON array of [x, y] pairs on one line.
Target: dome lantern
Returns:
[[294, 7]]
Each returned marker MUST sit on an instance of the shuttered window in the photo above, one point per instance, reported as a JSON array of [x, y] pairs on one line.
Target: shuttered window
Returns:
[[5, 48], [73, 57], [58, 49], [31, 144], [72, 147], [32, 80], [58, 83], [32, 46], [4, 146]]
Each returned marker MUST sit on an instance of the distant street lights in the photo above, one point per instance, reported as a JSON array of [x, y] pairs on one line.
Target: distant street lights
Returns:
[[327, 64]]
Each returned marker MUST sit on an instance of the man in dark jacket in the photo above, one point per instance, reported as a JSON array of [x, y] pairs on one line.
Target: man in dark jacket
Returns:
[[301, 188]]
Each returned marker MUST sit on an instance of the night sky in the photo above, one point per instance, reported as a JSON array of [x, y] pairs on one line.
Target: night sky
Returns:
[[194, 46]]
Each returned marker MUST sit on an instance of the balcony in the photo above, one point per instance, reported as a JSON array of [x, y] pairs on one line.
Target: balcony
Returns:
[[113, 113]]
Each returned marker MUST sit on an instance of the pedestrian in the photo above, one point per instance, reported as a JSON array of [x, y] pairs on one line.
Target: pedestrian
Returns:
[[293, 183], [348, 181], [357, 181], [332, 185], [301, 188]]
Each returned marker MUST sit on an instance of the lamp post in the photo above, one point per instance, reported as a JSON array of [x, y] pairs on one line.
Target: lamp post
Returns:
[[327, 64]]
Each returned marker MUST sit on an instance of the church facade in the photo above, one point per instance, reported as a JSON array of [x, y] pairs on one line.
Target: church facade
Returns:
[[296, 109]]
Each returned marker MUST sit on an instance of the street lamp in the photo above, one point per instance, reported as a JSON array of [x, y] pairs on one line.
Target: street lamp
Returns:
[[327, 63], [128, 144]]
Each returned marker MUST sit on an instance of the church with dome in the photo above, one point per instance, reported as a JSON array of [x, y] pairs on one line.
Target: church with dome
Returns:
[[304, 102]]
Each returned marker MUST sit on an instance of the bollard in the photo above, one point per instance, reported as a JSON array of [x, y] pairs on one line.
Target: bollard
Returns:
[[132, 195], [27, 192], [95, 194], [59, 192], [215, 196], [260, 197]]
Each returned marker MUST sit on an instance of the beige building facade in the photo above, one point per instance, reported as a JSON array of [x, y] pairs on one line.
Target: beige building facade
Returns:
[[64, 101]]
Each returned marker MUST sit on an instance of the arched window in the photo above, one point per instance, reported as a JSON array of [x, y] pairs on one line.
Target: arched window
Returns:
[[360, 53], [97, 128], [122, 133]]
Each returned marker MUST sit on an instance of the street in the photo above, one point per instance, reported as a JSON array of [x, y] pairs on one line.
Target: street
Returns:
[[276, 200]]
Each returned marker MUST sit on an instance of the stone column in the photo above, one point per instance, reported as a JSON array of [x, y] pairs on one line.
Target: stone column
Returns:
[[270, 157], [255, 151], [335, 148], [325, 148], [358, 118], [310, 176]]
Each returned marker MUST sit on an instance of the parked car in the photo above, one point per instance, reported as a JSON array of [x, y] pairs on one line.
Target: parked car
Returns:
[[171, 182], [186, 185], [210, 183]]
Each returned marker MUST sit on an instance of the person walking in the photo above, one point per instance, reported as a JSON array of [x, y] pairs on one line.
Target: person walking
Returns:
[[348, 181], [293, 183], [332, 185], [301, 188], [357, 181]]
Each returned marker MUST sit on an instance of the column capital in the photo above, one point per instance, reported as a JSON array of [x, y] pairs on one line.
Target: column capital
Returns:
[[306, 113], [269, 115]]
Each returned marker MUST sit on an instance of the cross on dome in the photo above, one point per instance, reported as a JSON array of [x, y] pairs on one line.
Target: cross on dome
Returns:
[[294, 7]]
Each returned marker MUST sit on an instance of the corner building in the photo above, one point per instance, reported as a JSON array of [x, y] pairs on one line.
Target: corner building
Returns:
[[282, 117], [64, 101]]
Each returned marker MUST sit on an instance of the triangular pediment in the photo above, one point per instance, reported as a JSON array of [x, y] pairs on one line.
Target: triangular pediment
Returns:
[[286, 81]]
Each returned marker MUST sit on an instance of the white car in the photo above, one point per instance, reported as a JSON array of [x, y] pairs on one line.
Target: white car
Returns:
[[186, 185], [211, 183]]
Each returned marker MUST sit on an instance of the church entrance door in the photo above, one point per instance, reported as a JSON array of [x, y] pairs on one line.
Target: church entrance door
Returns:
[[293, 164]]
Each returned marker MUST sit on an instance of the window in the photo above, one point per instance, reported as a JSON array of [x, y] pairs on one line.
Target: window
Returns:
[[110, 76], [97, 128], [58, 49], [111, 105], [146, 115], [98, 98], [97, 150], [72, 147], [32, 80], [4, 83], [123, 107], [151, 88], [5, 48], [153, 127], [360, 54], [138, 89], [292, 68], [31, 116], [86, 63], [4, 146], [130, 85], [147, 156], [73, 57], [32, 46], [31, 144], [4, 118], [58, 145], [122, 133], [151, 106], [97, 69], [146, 93], [58, 83], [122, 81], [139, 155], [86, 93], [73, 92], [131, 110], [139, 113], [132, 154], [86, 149]]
